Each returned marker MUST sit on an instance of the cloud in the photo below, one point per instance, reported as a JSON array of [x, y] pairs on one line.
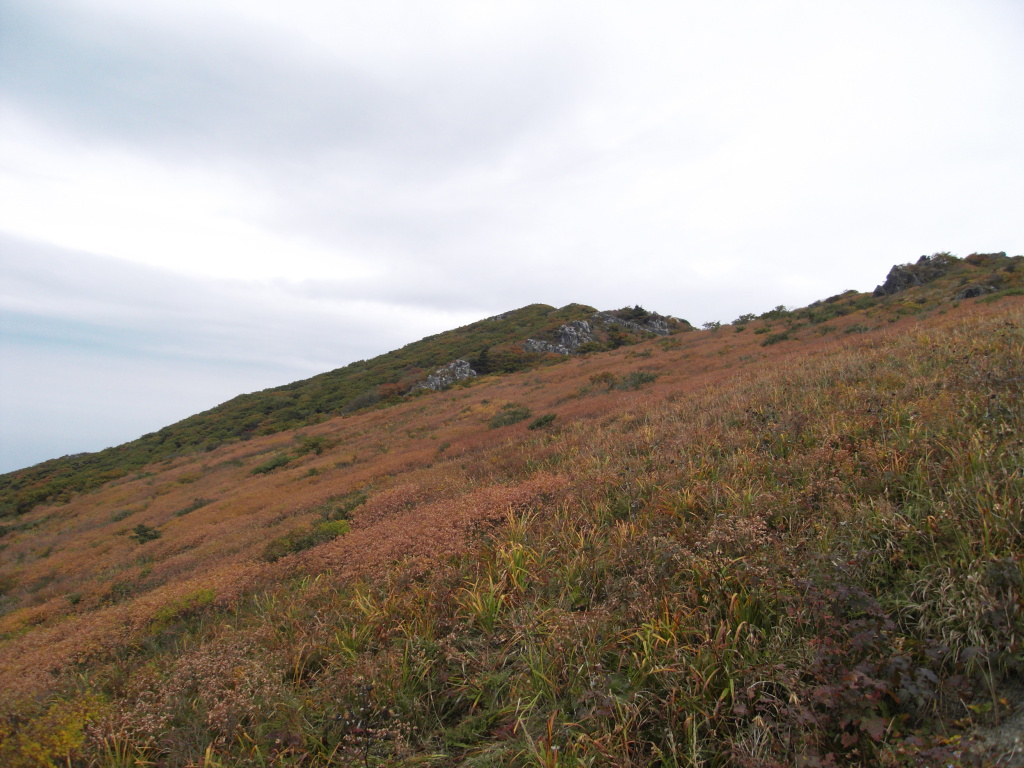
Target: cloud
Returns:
[[255, 190], [206, 97], [97, 351]]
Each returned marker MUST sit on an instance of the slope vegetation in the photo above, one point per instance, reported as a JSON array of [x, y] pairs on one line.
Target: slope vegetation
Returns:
[[793, 539], [497, 342]]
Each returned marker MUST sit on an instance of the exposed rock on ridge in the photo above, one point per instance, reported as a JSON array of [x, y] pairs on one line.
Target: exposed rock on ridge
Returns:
[[442, 378], [654, 323], [974, 291], [568, 338], [904, 276]]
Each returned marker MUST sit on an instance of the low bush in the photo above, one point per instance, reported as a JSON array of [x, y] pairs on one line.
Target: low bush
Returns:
[[775, 338], [271, 464], [298, 540], [635, 380], [197, 503], [510, 413], [541, 421], [143, 533]]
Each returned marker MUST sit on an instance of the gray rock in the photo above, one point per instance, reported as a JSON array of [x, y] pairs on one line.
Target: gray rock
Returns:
[[973, 291], [568, 338], [899, 279], [442, 378], [653, 324], [904, 276], [574, 335], [538, 347]]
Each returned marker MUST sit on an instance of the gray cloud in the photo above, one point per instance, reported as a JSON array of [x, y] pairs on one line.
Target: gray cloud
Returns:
[[205, 97], [395, 169]]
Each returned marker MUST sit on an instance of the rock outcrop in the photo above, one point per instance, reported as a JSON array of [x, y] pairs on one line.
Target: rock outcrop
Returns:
[[568, 338], [654, 323], [442, 378], [904, 276], [973, 291]]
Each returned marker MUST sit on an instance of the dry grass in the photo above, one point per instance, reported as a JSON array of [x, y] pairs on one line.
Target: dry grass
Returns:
[[809, 550]]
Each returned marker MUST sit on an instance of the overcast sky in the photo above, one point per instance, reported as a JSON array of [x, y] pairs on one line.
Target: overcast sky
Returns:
[[200, 198]]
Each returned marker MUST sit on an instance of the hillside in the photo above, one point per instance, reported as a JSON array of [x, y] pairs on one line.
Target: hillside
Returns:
[[493, 345], [792, 539]]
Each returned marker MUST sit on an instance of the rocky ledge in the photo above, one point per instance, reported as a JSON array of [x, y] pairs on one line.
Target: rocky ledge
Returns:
[[653, 323], [568, 338], [904, 276], [442, 378]]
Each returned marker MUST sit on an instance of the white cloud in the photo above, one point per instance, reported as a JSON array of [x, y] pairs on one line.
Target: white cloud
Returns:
[[397, 165]]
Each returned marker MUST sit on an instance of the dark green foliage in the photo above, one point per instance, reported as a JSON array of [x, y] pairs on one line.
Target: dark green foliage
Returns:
[[143, 533], [116, 517], [542, 421], [617, 337], [635, 315], [775, 338], [632, 380], [8, 582], [341, 507], [775, 314], [482, 363], [197, 503], [298, 540], [510, 413], [1000, 294], [744, 319], [635, 380], [271, 464], [363, 400], [316, 445]]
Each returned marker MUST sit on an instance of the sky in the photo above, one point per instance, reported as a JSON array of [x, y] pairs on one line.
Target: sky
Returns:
[[200, 198]]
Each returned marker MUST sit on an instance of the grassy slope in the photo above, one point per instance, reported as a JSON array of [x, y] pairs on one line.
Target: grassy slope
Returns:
[[300, 403], [794, 543]]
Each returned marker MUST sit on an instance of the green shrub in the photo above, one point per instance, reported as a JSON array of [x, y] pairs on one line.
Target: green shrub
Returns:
[[181, 609], [271, 464], [775, 314], [775, 338], [542, 421], [635, 380], [341, 507], [510, 413], [7, 583], [997, 296], [317, 444], [300, 539], [196, 504], [144, 533]]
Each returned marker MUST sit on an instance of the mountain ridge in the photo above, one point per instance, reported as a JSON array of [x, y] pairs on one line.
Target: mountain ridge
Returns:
[[385, 379]]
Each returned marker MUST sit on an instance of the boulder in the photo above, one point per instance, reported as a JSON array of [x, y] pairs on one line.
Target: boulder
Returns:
[[654, 323], [442, 378], [899, 279], [568, 338], [973, 291], [904, 276]]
